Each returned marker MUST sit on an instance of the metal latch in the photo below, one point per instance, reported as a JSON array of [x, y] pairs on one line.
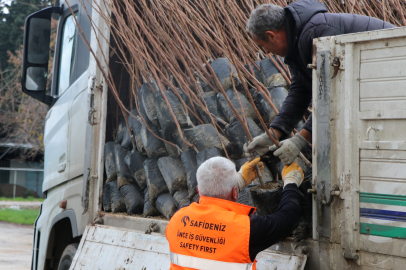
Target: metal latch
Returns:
[[90, 119], [336, 64], [335, 191]]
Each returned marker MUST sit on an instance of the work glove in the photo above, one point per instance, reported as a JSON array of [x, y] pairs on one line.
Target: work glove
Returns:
[[248, 172], [289, 149], [292, 174], [260, 144]]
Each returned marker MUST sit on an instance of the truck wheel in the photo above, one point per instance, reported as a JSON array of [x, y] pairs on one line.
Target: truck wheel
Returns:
[[67, 256]]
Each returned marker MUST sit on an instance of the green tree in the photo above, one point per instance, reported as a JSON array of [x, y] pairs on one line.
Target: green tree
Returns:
[[12, 19]]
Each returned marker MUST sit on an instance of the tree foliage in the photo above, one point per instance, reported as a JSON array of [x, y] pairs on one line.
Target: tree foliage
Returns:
[[22, 118], [12, 19]]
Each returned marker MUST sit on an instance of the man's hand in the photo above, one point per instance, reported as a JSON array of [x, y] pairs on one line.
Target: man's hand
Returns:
[[289, 149], [260, 144], [248, 172], [292, 174]]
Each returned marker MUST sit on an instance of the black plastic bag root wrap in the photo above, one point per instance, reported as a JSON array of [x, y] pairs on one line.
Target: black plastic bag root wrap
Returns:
[[173, 173], [126, 142], [205, 137], [189, 163], [176, 138], [154, 147], [166, 205], [155, 181], [267, 200], [165, 118], [106, 198], [110, 162], [181, 198], [149, 210], [210, 99], [259, 75], [228, 112], [116, 198], [273, 78], [146, 96], [237, 136], [120, 130], [222, 67], [124, 175], [278, 96], [204, 155], [135, 126], [244, 197], [133, 198], [136, 166], [196, 198]]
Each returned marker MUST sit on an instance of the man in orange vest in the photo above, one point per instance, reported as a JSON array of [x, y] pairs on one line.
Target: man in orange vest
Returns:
[[217, 232]]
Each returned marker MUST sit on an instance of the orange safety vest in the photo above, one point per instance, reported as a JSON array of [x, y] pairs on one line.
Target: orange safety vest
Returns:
[[213, 234]]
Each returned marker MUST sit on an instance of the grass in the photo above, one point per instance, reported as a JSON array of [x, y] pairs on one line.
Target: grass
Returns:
[[23, 216], [20, 199]]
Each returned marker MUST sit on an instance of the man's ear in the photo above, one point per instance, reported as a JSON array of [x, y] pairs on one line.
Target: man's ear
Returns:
[[271, 35], [234, 194], [197, 189]]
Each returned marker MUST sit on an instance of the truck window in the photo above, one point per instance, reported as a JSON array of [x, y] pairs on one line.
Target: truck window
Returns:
[[66, 54]]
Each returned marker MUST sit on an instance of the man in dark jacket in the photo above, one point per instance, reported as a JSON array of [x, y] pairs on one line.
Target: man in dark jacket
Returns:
[[289, 32]]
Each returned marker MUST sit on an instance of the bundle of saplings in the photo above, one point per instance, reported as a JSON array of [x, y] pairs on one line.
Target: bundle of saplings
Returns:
[[173, 173], [234, 96], [165, 118], [112, 199], [155, 181], [135, 126], [133, 195], [189, 163], [205, 137], [259, 75], [120, 131], [154, 147], [278, 95], [209, 99], [273, 78], [206, 154], [149, 210], [147, 101], [157, 177], [237, 136], [135, 161], [223, 69]]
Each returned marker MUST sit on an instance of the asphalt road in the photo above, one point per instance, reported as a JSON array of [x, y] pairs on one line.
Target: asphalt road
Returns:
[[15, 246]]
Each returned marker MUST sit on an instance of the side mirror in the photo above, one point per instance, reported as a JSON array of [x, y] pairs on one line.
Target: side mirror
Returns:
[[37, 38]]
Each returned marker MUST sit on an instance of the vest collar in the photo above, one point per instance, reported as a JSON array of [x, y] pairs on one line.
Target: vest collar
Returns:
[[238, 208]]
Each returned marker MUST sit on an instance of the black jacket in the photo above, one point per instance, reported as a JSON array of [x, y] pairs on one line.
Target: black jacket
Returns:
[[306, 20], [268, 230]]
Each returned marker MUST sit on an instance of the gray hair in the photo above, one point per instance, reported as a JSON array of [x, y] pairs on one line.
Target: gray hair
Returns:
[[216, 177], [264, 18]]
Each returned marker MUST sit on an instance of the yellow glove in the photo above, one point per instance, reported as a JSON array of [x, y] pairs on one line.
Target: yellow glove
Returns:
[[292, 174], [248, 172]]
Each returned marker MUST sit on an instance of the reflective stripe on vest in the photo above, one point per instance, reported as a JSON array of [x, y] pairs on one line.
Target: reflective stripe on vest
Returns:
[[200, 263]]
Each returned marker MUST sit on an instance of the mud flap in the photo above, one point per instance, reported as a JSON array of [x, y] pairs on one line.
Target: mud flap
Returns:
[[105, 247]]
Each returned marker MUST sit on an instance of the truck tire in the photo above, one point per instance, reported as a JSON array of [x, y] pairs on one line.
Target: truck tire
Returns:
[[67, 256]]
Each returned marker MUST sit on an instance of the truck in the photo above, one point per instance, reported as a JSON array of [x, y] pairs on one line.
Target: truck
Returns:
[[359, 151]]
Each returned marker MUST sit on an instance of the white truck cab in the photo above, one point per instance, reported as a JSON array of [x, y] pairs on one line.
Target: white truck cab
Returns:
[[359, 151]]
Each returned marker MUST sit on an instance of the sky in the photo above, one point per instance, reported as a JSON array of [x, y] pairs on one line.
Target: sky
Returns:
[[7, 2]]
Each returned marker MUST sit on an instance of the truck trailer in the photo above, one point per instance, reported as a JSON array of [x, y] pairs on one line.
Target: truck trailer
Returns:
[[359, 150]]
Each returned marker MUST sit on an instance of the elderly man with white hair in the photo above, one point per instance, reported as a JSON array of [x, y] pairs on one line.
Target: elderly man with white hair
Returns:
[[218, 232]]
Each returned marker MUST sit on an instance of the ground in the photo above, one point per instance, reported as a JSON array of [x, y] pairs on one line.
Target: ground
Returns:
[[16, 246]]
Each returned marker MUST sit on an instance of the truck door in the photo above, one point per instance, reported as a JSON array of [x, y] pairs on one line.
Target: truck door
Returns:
[[367, 150], [379, 118], [65, 123]]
